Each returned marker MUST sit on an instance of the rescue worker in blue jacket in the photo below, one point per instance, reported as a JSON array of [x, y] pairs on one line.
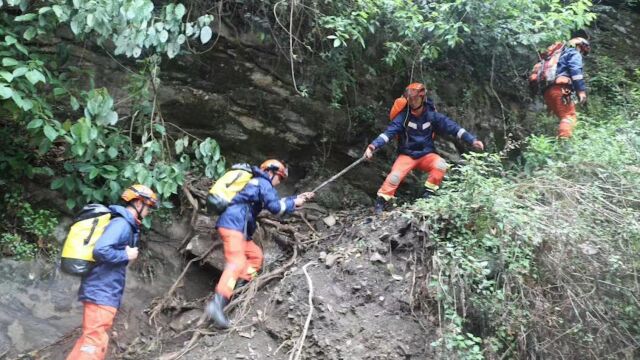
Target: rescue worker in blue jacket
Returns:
[[236, 225], [569, 78], [415, 128], [102, 288]]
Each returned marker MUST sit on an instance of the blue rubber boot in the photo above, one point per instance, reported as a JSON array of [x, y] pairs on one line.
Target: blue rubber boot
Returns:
[[378, 208], [215, 311]]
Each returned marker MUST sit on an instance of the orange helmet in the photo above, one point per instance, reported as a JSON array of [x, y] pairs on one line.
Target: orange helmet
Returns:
[[581, 44], [415, 89], [141, 192], [277, 166]]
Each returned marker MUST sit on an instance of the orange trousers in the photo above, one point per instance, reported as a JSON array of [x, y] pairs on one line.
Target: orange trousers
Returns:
[[242, 259], [561, 106], [431, 163], [96, 323]]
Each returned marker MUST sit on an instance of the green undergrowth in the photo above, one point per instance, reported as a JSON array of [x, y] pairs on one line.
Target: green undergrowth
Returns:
[[25, 230], [540, 260]]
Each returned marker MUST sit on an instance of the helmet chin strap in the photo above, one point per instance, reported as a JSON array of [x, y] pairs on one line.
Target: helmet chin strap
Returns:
[[139, 212]]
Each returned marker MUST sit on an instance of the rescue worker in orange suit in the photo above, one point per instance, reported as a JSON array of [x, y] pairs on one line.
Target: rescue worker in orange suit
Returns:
[[236, 225], [415, 129], [102, 288], [569, 78]]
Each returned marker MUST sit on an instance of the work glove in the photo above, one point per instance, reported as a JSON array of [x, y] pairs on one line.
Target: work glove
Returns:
[[478, 145], [368, 154], [582, 97], [132, 253], [303, 198]]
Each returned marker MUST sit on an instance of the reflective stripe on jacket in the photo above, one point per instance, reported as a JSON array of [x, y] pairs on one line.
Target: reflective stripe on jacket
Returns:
[[416, 133], [104, 284], [246, 205]]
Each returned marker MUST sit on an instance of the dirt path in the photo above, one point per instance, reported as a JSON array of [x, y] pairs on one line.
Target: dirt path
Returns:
[[362, 272]]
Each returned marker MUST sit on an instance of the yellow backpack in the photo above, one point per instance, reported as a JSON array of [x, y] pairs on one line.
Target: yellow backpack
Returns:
[[88, 226], [227, 186]]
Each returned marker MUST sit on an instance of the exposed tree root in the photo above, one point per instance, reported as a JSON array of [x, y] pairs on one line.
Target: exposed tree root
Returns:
[[194, 215], [300, 343], [166, 299], [243, 296]]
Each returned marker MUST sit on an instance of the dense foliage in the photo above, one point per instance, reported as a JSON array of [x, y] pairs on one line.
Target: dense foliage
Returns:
[[58, 127], [358, 40], [540, 259]]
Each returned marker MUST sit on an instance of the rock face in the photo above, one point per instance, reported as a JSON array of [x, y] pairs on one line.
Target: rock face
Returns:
[[36, 301], [39, 307], [226, 95]]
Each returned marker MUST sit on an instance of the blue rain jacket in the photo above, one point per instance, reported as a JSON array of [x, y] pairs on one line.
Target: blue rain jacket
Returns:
[[570, 65], [104, 284], [416, 133], [246, 205]]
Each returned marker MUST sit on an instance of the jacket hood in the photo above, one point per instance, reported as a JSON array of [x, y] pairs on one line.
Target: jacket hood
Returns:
[[259, 173], [123, 212]]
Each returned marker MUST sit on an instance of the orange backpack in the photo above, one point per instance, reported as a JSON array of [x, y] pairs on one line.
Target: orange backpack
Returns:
[[544, 72], [400, 105]]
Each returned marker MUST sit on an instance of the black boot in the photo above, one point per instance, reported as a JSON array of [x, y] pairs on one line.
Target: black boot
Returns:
[[240, 283], [428, 193], [215, 311], [378, 208]]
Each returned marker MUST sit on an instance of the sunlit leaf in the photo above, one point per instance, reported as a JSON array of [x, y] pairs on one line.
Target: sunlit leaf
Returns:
[[205, 34]]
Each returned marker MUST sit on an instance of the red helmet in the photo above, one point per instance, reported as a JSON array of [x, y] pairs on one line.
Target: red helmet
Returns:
[[277, 166], [415, 89], [581, 44], [140, 192]]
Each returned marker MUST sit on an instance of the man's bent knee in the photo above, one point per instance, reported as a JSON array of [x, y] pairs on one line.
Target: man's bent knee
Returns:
[[394, 178], [441, 165]]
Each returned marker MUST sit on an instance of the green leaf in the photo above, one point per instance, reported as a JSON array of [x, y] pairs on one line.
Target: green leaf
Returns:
[[220, 168], [172, 50], [180, 10], [164, 36], [113, 152], [94, 172], [6, 75], [10, 40], [5, 92], [57, 183], [50, 132], [34, 76], [159, 128], [30, 33], [112, 118], [75, 105], [148, 156], [25, 17], [59, 91], [35, 123], [9, 62], [19, 72], [57, 9], [24, 104], [71, 203], [205, 34], [179, 144], [216, 153], [21, 48]]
